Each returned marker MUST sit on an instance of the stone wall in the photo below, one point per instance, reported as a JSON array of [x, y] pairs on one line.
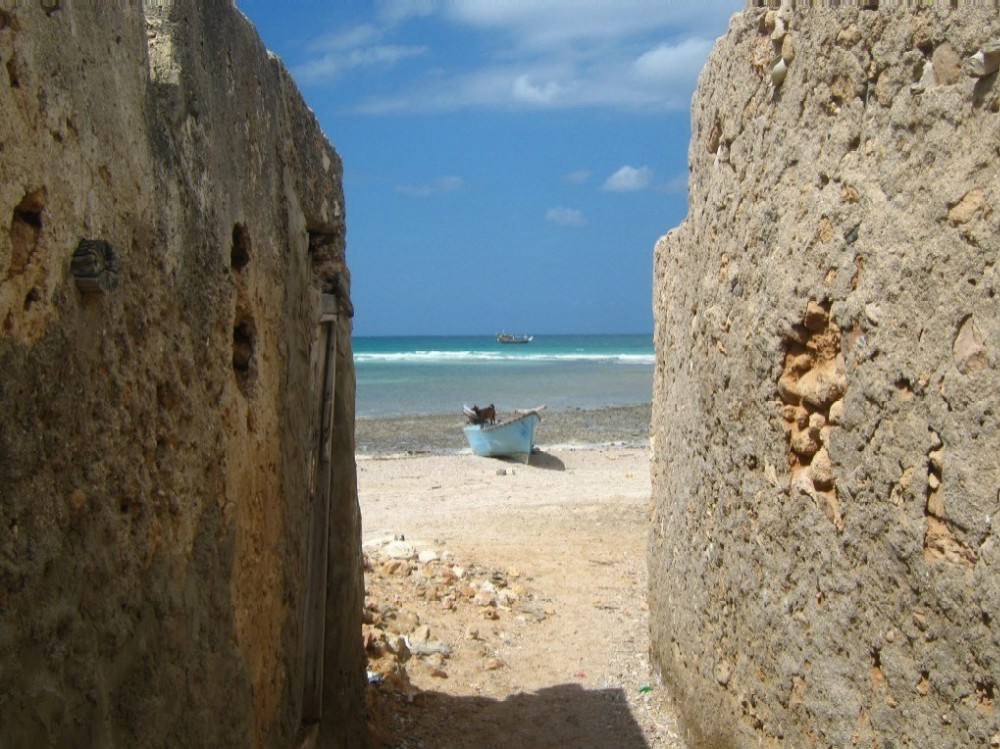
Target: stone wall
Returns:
[[170, 216], [823, 563]]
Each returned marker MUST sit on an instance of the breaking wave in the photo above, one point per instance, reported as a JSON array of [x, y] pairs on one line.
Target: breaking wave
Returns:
[[458, 357]]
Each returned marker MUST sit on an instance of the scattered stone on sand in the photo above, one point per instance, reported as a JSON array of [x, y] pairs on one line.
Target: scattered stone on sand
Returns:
[[398, 577]]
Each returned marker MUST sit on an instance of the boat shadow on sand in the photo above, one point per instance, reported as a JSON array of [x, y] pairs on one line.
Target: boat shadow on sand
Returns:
[[537, 459], [548, 461]]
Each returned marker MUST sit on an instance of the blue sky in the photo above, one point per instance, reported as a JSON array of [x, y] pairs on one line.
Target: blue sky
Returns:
[[508, 164]]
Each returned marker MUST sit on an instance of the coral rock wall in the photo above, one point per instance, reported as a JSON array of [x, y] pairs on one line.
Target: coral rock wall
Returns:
[[823, 563], [170, 218]]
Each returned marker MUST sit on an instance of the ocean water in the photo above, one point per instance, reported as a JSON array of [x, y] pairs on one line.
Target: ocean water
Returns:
[[417, 375]]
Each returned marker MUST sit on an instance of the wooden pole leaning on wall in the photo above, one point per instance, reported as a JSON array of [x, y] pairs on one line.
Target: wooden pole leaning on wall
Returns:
[[319, 522]]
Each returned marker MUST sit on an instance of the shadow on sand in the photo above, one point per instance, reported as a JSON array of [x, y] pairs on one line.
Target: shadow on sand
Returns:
[[548, 461], [566, 715], [537, 459]]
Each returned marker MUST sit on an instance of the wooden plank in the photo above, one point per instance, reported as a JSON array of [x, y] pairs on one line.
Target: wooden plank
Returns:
[[314, 634]]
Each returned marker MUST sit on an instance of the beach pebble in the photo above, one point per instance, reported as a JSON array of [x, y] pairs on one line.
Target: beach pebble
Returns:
[[431, 647], [397, 646], [533, 610], [401, 622], [421, 634], [399, 550], [506, 597], [484, 598], [392, 567]]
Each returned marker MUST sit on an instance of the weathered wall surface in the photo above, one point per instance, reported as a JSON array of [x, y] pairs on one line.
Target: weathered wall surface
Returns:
[[825, 571], [158, 441]]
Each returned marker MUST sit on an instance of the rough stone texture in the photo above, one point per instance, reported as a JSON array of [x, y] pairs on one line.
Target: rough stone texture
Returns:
[[826, 477], [160, 424]]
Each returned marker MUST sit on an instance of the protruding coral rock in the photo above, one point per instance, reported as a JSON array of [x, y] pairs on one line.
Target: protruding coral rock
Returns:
[[778, 72], [947, 65], [973, 203], [969, 350], [779, 29], [821, 386], [836, 413], [805, 442], [788, 49], [817, 317], [821, 470], [984, 62], [926, 79], [799, 363]]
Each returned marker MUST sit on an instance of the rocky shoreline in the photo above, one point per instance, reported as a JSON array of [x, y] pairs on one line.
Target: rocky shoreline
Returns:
[[624, 426]]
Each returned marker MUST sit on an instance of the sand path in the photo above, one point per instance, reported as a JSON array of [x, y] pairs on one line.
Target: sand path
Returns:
[[538, 596]]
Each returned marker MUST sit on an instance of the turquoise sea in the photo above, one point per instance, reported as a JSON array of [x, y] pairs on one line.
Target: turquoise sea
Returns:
[[416, 375]]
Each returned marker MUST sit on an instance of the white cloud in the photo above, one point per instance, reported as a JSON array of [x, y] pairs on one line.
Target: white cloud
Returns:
[[394, 11], [434, 187], [577, 177], [629, 179], [565, 216], [357, 36], [448, 184], [336, 63], [331, 56], [526, 90], [539, 23], [525, 54], [543, 86], [667, 62]]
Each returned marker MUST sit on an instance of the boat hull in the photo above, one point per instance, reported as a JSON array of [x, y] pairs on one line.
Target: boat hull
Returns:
[[511, 439], [507, 338]]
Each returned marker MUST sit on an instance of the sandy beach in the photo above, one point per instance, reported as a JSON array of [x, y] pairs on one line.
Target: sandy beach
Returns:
[[519, 589]]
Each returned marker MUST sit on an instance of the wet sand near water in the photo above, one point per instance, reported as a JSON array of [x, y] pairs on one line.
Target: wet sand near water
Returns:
[[623, 426]]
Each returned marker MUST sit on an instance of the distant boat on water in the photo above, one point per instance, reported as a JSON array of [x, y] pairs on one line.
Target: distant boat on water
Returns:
[[509, 338]]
